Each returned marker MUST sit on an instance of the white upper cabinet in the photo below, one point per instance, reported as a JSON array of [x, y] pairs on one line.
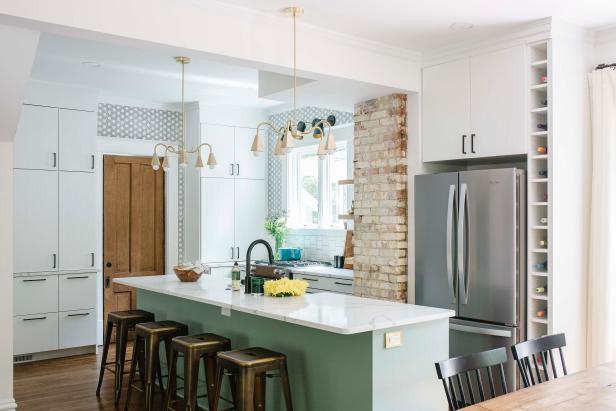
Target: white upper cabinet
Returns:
[[247, 165], [474, 107], [77, 140], [250, 212], [217, 219], [498, 103], [221, 138], [36, 139], [77, 215], [446, 111], [35, 230]]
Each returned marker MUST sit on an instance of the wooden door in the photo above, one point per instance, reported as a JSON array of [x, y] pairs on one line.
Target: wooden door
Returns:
[[77, 140], [498, 103], [133, 226], [446, 111]]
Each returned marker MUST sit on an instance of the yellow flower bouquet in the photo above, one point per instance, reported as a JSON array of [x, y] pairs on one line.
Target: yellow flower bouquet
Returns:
[[285, 287]]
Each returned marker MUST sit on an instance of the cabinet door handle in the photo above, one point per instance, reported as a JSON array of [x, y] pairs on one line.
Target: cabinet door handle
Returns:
[[35, 318], [232, 254], [55, 160], [77, 278], [231, 169], [473, 143], [336, 282], [92, 161], [463, 143], [78, 315], [92, 255], [33, 280], [55, 260], [238, 252], [238, 169], [309, 279]]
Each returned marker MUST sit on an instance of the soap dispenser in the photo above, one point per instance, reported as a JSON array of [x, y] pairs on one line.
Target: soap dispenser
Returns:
[[235, 277]]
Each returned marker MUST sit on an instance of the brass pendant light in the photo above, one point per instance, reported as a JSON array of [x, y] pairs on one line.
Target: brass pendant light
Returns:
[[292, 130], [181, 150]]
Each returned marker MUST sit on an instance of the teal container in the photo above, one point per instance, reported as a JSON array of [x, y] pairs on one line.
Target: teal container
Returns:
[[290, 253]]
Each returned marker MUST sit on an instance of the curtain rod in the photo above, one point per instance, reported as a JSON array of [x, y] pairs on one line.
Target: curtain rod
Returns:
[[602, 66]]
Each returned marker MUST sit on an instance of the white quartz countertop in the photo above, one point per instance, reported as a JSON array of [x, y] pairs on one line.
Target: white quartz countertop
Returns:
[[324, 271], [337, 313]]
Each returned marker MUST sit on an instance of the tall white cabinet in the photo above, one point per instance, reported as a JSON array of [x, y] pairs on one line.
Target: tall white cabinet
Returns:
[[54, 231], [233, 196]]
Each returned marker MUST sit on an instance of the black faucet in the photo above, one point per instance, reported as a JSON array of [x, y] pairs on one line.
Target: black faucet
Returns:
[[270, 254]]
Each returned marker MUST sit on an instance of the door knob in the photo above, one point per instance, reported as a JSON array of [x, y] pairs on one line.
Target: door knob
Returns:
[[108, 264]]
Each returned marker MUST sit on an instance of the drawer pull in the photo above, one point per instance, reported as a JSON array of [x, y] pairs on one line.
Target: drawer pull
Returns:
[[78, 315], [76, 278], [310, 279], [336, 282], [35, 318], [33, 280]]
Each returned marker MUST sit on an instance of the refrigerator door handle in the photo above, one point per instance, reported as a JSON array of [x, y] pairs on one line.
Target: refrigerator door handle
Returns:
[[462, 242], [481, 330], [451, 279]]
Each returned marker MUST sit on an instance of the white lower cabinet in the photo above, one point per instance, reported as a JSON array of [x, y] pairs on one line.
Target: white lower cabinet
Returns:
[[77, 328], [317, 283], [35, 294], [76, 291], [35, 333], [54, 311]]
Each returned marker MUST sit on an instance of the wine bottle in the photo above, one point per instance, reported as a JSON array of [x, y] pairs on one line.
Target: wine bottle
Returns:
[[542, 126], [543, 243], [544, 102], [543, 173], [541, 266], [541, 289], [543, 220], [542, 149], [543, 78], [542, 313]]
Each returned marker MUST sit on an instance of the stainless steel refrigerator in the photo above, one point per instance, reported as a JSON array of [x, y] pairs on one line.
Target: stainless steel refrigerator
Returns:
[[470, 256]]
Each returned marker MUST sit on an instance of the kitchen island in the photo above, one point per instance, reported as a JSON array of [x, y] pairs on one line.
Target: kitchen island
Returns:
[[335, 343]]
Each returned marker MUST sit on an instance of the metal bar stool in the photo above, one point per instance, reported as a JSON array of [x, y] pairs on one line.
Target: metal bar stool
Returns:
[[250, 366], [124, 321], [147, 343], [194, 348]]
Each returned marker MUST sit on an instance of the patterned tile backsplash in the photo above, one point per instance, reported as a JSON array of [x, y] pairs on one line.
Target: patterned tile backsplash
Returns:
[[319, 245]]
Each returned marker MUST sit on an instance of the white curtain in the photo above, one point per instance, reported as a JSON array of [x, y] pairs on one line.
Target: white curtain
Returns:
[[601, 344]]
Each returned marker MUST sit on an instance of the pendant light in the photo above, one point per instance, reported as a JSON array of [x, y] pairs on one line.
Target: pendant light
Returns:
[[293, 130], [181, 150]]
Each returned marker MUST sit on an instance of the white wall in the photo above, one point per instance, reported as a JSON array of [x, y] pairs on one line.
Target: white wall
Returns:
[[18, 48], [605, 47]]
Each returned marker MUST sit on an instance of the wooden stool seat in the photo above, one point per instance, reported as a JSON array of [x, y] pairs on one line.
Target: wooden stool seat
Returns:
[[123, 321], [248, 368], [194, 348], [148, 337]]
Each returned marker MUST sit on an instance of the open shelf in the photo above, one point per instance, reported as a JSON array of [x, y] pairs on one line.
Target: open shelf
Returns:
[[540, 63], [539, 110], [540, 86], [346, 217], [345, 182], [539, 133]]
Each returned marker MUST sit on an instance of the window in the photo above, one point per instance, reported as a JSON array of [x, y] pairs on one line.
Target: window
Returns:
[[313, 197]]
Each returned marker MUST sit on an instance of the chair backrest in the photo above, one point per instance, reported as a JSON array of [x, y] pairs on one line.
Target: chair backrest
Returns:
[[462, 375], [536, 354]]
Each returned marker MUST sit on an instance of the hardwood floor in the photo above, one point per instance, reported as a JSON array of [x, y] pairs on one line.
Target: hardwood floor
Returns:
[[68, 384]]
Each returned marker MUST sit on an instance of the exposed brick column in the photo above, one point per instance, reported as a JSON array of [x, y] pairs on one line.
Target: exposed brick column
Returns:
[[380, 174]]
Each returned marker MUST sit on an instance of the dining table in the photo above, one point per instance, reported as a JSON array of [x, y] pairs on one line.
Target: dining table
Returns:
[[591, 389]]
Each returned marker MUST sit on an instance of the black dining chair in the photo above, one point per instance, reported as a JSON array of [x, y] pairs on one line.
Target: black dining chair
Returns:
[[540, 351], [461, 377]]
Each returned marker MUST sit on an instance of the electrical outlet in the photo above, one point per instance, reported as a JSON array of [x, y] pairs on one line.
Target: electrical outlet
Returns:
[[393, 339], [225, 311]]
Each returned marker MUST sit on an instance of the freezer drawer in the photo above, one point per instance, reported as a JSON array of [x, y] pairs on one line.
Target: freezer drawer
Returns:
[[35, 294], [77, 291], [35, 333], [468, 337]]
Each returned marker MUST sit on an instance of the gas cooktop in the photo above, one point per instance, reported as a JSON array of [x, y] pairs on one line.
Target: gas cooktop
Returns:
[[296, 263]]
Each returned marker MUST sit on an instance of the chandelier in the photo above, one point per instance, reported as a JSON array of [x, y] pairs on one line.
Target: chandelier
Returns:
[[181, 150], [292, 130]]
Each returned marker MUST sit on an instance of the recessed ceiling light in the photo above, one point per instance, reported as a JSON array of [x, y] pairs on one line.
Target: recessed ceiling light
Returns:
[[461, 26], [91, 64]]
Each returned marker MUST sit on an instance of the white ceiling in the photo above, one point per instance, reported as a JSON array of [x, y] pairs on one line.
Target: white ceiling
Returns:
[[144, 75], [424, 24]]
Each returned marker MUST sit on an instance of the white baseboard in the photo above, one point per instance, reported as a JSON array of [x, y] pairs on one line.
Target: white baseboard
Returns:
[[8, 404]]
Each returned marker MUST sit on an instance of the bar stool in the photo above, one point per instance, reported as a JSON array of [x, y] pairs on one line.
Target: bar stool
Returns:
[[250, 367], [147, 343], [194, 348], [123, 321]]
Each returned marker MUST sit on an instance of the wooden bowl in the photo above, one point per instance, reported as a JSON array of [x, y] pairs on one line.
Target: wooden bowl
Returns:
[[187, 274]]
